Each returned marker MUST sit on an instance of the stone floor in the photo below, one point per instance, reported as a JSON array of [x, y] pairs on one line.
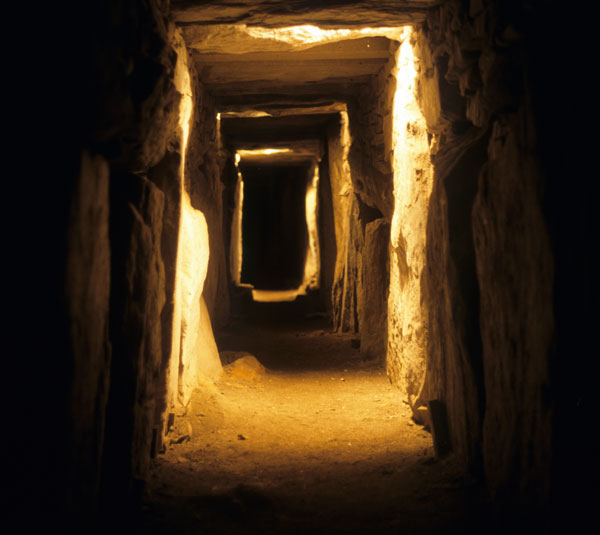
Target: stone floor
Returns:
[[315, 440]]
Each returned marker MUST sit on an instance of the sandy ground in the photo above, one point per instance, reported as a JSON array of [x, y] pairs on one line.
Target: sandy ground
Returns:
[[317, 442]]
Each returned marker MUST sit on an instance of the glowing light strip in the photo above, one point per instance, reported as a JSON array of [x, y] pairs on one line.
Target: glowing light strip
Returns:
[[248, 153], [236, 247], [310, 34], [312, 263], [413, 180]]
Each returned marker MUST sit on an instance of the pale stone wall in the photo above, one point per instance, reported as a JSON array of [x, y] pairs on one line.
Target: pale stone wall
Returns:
[[408, 325], [193, 357], [204, 168]]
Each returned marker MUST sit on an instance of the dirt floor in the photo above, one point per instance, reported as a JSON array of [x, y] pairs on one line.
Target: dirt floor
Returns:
[[317, 441]]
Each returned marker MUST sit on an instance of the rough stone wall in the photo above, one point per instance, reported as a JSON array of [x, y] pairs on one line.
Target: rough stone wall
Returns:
[[326, 236], [390, 172], [374, 284], [123, 124], [193, 358], [126, 111], [348, 234], [454, 369], [205, 163], [408, 323], [137, 299], [515, 272], [371, 155], [88, 286], [489, 275]]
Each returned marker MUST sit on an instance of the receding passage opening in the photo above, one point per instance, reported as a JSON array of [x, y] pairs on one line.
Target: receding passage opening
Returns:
[[274, 233]]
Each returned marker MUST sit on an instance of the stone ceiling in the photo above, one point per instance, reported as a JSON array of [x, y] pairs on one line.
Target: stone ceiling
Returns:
[[253, 64], [334, 69], [326, 14]]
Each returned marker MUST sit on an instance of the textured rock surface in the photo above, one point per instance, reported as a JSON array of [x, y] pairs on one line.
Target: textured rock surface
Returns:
[[496, 269], [199, 359], [348, 234], [346, 65], [129, 107], [345, 13], [514, 267], [204, 166], [87, 285], [371, 155], [374, 285], [137, 299], [326, 236], [128, 104], [408, 325], [193, 357], [454, 367], [507, 246], [143, 302]]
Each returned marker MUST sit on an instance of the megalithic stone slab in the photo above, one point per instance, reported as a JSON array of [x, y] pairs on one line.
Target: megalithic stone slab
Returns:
[[440, 428]]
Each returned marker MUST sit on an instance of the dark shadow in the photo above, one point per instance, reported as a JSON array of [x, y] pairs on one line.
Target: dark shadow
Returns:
[[274, 230], [289, 336]]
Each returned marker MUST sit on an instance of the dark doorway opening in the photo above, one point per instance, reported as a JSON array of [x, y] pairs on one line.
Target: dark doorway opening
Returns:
[[274, 233]]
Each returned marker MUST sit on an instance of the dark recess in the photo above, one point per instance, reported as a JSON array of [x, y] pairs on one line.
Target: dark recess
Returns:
[[274, 230]]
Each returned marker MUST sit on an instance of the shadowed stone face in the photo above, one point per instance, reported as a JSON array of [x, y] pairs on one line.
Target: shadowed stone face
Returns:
[[268, 13], [448, 236]]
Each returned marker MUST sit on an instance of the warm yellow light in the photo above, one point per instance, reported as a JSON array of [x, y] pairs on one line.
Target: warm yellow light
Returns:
[[413, 180], [297, 34], [249, 153], [194, 355], [276, 296], [310, 34], [236, 247], [312, 264], [185, 114], [248, 114]]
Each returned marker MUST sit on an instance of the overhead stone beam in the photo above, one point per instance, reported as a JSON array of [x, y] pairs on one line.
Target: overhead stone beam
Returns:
[[297, 12]]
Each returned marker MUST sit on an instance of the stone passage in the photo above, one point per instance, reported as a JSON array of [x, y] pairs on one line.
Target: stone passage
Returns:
[[317, 442], [411, 172]]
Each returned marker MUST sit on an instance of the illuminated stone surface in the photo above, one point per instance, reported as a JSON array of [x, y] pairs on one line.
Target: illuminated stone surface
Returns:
[[408, 327], [199, 360], [502, 277], [194, 356]]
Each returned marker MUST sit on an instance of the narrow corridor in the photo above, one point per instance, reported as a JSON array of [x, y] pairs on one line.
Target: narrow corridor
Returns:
[[414, 173], [306, 445]]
